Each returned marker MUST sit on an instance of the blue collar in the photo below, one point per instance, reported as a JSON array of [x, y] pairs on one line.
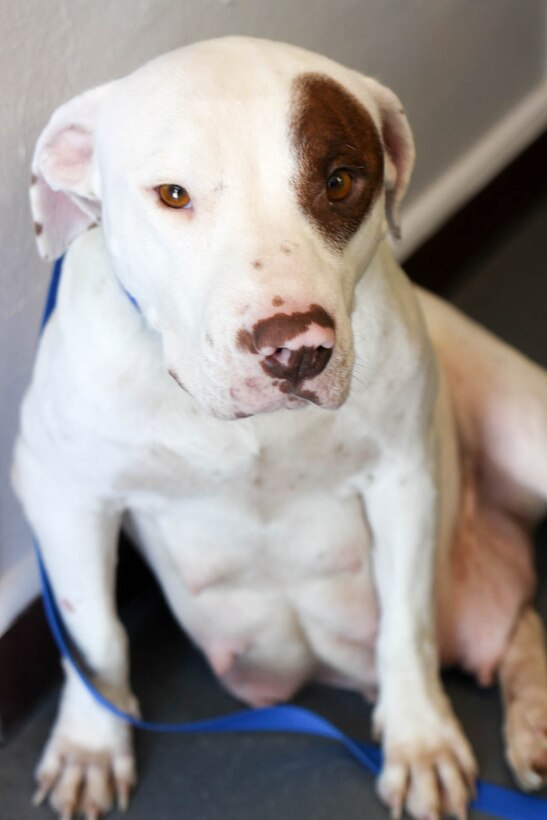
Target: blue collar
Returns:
[[132, 299], [51, 299]]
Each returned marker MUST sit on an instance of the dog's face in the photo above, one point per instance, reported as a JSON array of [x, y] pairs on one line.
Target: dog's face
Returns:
[[242, 188]]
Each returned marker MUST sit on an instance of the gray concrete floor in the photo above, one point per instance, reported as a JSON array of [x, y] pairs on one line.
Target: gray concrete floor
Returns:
[[269, 777]]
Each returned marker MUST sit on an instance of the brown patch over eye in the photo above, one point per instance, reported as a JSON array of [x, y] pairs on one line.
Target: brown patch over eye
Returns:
[[174, 196], [340, 156]]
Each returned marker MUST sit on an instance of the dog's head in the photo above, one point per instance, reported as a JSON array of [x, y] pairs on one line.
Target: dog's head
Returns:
[[242, 187]]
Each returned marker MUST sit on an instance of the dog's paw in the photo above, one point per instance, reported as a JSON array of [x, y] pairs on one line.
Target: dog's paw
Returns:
[[88, 760], [526, 738], [82, 780], [429, 776]]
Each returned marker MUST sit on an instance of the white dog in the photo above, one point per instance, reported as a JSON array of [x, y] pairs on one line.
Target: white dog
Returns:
[[332, 473]]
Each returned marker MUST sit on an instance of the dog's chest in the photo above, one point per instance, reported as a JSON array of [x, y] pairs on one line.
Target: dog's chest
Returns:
[[268, 459], [266, 544]]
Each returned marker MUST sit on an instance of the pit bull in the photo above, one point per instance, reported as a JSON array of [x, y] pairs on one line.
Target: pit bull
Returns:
[[332, 473]]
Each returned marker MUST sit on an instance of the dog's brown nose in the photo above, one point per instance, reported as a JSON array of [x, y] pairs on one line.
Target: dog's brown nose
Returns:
[[295, 346]]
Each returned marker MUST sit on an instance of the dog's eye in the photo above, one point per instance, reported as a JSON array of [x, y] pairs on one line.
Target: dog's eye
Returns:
[[339, 185], [174, 196]]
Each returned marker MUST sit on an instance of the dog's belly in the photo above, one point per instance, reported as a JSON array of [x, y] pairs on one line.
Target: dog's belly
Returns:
[[272, 600]]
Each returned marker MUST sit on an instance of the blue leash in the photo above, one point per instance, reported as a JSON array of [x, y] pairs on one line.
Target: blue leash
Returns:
[[496, 801]]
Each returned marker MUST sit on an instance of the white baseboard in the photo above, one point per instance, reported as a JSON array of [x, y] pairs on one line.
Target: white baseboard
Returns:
[[19, 586], [473, 171]]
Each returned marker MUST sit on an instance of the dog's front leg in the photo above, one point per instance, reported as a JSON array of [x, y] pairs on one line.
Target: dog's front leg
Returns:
[[89, 750], [429, 767]]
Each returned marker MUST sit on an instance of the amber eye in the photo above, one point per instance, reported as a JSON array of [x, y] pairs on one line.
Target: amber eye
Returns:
[[175, 196], [339, 185]]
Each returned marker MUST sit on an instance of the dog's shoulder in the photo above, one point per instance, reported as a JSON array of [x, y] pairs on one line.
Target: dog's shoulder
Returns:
[[95, 317], [98, 366]]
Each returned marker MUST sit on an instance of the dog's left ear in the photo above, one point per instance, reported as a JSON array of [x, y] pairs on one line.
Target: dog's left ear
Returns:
[[64, 193], [398, 150]]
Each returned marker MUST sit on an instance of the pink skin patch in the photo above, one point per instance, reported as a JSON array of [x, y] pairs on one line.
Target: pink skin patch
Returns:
[[223, 655], [492, 578]]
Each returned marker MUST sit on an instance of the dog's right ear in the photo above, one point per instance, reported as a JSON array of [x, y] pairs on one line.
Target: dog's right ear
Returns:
[[64, 193], [398, 147]]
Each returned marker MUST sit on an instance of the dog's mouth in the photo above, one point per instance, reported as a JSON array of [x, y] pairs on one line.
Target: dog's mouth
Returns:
[[258, 393], [175, 376], [254, 396], [291, 403], [299, 395]]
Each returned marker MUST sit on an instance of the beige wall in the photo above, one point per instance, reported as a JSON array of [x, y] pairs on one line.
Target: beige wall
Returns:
[[460, 66]]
